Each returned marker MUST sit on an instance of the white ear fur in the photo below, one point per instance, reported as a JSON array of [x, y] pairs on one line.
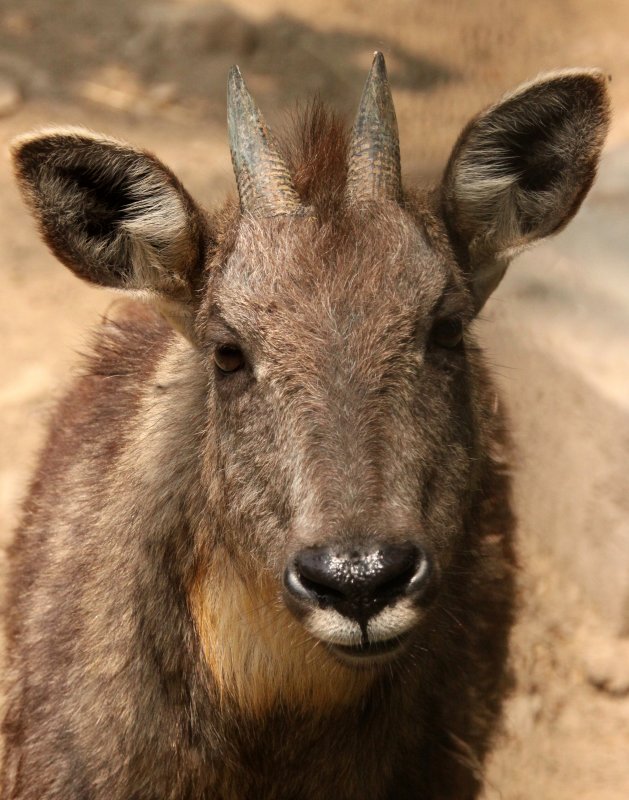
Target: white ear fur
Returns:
[[521, 169], [114, 215]]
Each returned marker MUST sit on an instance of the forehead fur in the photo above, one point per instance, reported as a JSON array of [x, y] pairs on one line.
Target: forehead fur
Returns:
[[350, 255], [371, 253]]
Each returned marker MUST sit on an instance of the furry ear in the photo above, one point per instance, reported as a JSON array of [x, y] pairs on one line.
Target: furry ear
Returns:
[[521, 169], [114, 215]]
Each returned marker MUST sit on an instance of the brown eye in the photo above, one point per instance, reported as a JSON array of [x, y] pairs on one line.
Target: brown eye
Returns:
[[229, 358], [447, 333]]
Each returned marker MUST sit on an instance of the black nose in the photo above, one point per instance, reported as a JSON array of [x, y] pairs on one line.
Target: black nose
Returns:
[[360, 583]]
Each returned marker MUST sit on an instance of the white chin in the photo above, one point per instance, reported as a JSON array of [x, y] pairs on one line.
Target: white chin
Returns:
[[383, 630]]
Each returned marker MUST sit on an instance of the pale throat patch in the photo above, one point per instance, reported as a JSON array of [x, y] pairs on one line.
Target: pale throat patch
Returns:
[[259, 656]]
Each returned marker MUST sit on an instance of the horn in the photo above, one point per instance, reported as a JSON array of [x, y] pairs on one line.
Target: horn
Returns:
[[374, 155], [264, 183]]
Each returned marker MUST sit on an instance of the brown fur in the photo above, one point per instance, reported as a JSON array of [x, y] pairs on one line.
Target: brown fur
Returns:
[[154, 655]]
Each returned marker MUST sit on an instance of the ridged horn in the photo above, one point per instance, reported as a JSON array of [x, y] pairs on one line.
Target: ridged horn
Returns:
[[264, 183], [374, 155]]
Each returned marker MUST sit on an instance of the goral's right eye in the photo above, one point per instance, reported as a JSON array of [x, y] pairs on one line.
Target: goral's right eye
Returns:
[[447, 333]]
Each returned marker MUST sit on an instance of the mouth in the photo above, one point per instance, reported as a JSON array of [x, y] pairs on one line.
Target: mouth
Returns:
[[370, 652]]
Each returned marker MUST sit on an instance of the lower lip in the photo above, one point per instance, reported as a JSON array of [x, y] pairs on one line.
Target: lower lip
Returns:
[[370, 651]]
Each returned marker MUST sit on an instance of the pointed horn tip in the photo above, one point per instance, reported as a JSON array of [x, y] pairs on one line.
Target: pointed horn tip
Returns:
[[235, 76], [237, 93], [378, 64]]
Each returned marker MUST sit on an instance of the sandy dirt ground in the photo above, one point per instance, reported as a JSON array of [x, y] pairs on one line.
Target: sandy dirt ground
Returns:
[[154, 73]]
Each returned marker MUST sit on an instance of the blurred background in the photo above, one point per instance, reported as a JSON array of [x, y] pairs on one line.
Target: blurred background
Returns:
[[556, 332]]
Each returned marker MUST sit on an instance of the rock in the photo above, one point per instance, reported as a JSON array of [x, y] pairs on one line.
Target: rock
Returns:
[[522, 713], [10, 97], [163, 94], [606, 663], [205, 29]]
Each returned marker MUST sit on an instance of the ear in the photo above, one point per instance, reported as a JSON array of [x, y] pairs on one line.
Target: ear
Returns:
[[114, 215], [521, 170]]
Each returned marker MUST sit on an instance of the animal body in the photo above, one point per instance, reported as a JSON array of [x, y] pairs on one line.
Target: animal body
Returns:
[[268, 549]]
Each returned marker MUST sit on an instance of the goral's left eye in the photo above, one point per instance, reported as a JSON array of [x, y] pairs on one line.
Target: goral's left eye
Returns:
[[229, 358], [447, 333]]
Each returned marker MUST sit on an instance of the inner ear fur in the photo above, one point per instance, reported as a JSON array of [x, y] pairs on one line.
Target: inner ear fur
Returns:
[[521, 169], [115, 215]]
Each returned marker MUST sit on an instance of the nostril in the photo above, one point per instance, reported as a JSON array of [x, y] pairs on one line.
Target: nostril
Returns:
[[398, 583], [319, 572], [422, 573], [308, 584], [394, 568], [321, 589]]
